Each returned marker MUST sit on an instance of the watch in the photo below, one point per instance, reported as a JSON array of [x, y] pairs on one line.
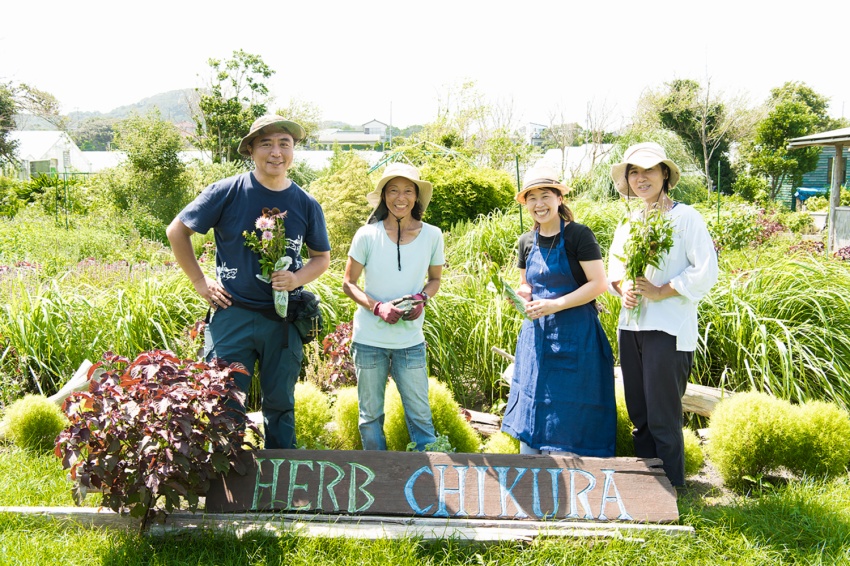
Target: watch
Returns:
[[424, 294]]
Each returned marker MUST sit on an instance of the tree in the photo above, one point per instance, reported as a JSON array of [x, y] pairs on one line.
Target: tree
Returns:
[[305, 113], [236, 96], [94, 134], [561, 135], [795, 110], [42, 104], [707, 123], [342, 194], [8, 107], [158, 184]]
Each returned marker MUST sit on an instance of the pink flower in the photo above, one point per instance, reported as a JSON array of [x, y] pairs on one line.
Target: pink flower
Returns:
[[267, 235], [265, 223]]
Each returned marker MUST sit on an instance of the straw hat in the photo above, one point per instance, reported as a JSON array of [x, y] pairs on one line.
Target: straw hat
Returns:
[[268, 124], [541, 176], [410, 173], [644, 155]]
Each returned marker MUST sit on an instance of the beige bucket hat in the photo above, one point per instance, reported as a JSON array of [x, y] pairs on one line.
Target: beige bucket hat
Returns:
[[268, 124], [645, 155], [541, 176], [410, 173]]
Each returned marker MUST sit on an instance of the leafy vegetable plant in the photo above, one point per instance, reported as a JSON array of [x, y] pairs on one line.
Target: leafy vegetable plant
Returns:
[[649, 241], [155, 429]]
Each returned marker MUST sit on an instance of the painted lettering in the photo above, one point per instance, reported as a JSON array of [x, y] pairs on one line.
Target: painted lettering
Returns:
[[609, 484], [505, 491], [272, 486], [353, 488], [293, 475], [443, 490], [408, 490], [331, 485], [581, 495]]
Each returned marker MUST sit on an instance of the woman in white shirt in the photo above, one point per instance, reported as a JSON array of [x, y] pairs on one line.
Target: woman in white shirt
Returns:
[[657, 346]]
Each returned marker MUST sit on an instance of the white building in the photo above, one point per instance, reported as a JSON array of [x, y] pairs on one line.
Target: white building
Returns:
[[47, 152]]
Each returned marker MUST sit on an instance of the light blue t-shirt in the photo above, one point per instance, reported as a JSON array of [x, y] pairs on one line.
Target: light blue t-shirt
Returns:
[[379, 256]]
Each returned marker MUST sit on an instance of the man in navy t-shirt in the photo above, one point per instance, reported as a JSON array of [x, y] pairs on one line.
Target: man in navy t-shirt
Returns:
[[244, 327]]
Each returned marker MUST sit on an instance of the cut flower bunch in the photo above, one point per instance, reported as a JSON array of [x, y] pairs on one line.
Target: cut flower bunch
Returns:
[[649, 241], [270, 245]]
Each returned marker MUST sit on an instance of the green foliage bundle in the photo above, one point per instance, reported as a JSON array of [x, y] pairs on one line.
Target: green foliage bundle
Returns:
[[342, 194], [312, 416], [346, 414], [501, 443], [796, 222], [817, 203], [33, 423], [157, 429], [446, 415], [463, 193]]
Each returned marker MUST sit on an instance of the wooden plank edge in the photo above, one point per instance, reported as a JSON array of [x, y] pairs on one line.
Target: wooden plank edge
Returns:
[[362, 527]]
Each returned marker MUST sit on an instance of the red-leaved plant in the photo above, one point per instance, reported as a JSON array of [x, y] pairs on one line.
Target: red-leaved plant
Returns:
[[337, 346], [155, 429]]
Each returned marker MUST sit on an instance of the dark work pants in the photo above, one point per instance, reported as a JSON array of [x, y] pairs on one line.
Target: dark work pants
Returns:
[[655, 376]]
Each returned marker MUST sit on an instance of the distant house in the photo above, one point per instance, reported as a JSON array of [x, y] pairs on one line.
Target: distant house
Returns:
[[817, 181], [366, 137], [46, 152], [533, 134]]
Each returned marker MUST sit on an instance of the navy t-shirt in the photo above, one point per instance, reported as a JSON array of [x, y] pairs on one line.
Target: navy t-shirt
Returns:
[[230, 207]]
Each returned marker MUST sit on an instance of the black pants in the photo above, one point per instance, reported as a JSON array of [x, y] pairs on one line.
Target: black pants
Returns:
[[655, 376]]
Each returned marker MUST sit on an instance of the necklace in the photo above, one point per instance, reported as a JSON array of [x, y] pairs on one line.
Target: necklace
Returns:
[[551, 246]]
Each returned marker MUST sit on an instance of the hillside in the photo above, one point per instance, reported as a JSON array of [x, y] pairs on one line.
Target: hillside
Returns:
[[173, 106]]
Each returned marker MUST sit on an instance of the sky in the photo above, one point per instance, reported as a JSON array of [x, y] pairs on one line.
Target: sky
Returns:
[[397, 61]]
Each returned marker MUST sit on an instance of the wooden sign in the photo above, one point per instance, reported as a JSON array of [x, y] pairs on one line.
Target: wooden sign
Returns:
[[439, 485]]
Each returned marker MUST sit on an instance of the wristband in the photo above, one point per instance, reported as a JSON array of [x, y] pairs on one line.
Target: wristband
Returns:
[[426, 297]]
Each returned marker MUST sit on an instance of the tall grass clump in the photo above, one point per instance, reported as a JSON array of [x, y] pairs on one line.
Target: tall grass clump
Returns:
[[49, 329], [462, 325], [345, 418], [782, 328]]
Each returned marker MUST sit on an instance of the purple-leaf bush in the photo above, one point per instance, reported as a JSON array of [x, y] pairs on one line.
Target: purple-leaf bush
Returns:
[[155, 430]]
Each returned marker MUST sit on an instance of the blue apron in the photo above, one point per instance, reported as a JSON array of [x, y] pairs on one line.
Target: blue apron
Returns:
[[562, 391]]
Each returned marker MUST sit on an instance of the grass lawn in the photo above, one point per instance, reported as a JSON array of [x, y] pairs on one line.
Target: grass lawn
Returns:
[[798, 523]]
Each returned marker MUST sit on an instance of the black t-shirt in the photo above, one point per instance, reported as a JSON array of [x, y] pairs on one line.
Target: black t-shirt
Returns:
[[580, 243]]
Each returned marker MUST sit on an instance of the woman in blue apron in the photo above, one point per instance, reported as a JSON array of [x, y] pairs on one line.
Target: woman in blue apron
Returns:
[[562, 391]]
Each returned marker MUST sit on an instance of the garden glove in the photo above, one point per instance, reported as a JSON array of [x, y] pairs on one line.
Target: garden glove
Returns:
[[387, 312], [417, 309]]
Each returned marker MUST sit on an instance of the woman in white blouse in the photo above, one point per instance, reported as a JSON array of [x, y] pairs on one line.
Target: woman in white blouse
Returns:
[[657, 346]]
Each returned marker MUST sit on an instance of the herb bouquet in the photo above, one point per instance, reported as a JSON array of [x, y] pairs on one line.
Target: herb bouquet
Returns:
[[649, 241], [271, 247]]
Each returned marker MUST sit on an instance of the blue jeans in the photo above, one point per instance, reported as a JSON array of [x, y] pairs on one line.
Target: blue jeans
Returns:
[[410, 372]]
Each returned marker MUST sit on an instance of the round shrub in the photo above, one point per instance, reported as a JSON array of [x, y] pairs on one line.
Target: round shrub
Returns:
[[694, 457], [33, 423], [445, 412], [345, 418], [312, 416], [819, 443], [501, 443], [749, 436]]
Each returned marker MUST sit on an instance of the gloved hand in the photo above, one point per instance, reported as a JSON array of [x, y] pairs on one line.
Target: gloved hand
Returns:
[[416, 311], [387, 312]]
